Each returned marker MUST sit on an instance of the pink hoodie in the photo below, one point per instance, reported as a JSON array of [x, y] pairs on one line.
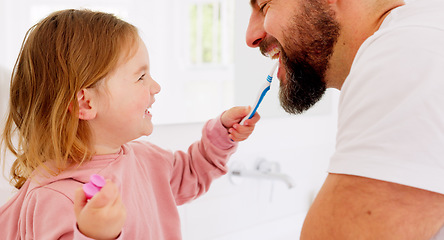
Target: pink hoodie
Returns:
[[152, 181]]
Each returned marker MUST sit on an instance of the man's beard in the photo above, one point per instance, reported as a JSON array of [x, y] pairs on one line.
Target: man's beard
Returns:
[[306, 59]]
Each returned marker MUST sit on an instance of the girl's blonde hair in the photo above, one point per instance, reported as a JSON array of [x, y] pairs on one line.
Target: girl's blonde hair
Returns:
[[66, 52]]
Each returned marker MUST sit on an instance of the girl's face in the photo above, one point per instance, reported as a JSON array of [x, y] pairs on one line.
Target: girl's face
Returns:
[[123, 104]]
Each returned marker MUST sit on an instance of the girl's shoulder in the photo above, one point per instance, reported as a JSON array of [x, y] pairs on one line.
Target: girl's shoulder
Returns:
[[58, 189], [47, 210]]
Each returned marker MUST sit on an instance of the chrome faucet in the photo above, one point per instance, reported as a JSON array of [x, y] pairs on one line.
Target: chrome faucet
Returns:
[[264, 169]]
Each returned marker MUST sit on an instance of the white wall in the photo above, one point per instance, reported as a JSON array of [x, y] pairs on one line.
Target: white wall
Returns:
[[5, 188], [3, 30]]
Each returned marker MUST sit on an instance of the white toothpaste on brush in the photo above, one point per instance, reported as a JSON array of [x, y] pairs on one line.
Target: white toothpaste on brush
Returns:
[[264, 89]]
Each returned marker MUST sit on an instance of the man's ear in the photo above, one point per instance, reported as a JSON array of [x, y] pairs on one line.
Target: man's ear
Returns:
[[87, 110]]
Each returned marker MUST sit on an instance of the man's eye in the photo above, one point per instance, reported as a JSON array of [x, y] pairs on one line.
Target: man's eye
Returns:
[[142, 77], [263, 7]]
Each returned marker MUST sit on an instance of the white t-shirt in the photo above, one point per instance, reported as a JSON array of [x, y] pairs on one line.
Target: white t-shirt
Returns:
[[391, 110]]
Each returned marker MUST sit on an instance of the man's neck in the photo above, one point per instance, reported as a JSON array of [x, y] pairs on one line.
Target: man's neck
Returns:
[[356, 26]]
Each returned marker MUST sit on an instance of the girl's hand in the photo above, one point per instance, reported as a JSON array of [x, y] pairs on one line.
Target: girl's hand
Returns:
[[103, 216], [231, 118]]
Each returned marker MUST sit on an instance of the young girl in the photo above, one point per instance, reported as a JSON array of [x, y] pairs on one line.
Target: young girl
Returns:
[[80, 95]]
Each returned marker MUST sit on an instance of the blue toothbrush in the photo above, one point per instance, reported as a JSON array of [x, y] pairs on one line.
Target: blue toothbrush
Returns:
[[261, 95]]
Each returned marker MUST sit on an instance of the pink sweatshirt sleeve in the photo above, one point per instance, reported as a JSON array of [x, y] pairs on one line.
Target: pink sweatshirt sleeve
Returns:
[[193, 171]]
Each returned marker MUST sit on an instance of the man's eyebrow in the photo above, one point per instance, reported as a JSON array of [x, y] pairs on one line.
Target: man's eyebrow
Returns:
[[253, 2]]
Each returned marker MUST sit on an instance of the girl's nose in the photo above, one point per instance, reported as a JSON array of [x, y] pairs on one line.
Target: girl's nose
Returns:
[[154, 87]]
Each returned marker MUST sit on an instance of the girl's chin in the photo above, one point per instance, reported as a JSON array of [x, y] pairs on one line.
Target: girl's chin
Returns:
[[148, 130]]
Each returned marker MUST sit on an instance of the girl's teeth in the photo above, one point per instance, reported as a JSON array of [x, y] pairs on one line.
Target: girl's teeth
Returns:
[[146, 112]]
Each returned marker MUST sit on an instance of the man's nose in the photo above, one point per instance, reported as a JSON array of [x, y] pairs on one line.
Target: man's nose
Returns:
[[255, 31]]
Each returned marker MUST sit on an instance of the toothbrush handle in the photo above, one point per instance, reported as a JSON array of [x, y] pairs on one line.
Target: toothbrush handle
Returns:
[[262, 93], [256, 106]]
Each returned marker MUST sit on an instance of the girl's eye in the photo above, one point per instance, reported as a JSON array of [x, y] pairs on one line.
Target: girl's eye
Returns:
[[142, 77]]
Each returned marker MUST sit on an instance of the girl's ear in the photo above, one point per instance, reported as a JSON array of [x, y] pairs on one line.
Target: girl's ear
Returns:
[[86, 109]]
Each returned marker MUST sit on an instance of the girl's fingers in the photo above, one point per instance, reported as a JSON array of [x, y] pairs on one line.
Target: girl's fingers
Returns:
[[244, 129], [240, 132], [238, 135], [252, 121], [79, 201], [106, 196], [118, 202]]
